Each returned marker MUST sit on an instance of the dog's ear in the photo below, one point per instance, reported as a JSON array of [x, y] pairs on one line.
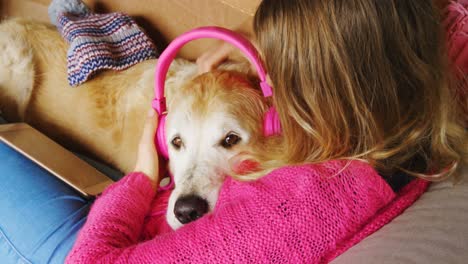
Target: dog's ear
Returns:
[[244, 68]]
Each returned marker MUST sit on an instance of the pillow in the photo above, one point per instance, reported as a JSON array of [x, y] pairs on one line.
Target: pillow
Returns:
[[433, 230]]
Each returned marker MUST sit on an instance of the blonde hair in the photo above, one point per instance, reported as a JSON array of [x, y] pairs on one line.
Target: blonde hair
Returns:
[[360, 79]]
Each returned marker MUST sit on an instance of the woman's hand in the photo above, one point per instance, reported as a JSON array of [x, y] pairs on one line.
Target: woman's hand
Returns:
[[223, 51], [213, 57], [147, 156]]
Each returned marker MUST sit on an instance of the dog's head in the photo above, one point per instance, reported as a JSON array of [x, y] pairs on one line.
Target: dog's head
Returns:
[[213, 118]]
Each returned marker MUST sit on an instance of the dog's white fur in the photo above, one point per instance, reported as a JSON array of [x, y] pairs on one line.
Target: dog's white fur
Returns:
[[200, 165], [105, 116]]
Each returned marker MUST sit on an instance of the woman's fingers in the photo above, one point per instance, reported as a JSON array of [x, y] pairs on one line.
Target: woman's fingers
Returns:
[[212, 58], [149, 130], [215, 56], [147, 156]]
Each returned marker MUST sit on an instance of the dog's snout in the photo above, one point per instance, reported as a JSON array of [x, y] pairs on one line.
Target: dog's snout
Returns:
[[190, 208]]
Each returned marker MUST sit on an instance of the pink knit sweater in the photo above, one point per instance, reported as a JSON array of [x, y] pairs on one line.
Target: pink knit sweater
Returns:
[[456, 26], [301, 214]]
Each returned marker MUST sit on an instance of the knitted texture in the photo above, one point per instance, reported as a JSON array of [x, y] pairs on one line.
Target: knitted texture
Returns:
[[300, 214], [456, 26], [102, 41]]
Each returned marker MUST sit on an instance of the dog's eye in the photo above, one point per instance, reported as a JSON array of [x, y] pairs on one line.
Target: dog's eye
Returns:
[[230, 140], [177, 143]]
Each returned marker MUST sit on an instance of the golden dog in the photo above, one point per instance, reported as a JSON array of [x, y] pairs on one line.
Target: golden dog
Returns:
[[212, 117]]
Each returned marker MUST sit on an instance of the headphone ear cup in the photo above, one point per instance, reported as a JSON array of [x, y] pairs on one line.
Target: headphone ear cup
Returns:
[[160, 138], [271, 123]]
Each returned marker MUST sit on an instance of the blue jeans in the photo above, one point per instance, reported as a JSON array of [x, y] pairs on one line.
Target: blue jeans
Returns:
[[40, 215]]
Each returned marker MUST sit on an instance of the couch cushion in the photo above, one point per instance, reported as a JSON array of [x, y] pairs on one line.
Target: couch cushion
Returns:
[[432, 230]]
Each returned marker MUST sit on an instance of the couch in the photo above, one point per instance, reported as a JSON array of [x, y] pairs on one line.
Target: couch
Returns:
[[433, 230]]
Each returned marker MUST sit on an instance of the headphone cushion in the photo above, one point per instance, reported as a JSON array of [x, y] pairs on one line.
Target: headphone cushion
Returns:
[[160, 140], [272, 125]]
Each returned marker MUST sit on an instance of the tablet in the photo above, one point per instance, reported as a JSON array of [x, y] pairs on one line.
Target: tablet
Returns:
[[54, 158]]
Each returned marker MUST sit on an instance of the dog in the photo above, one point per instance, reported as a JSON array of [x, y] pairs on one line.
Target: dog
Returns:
[[212, 118]]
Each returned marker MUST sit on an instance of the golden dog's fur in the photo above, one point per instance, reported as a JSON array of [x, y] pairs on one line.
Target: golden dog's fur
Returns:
[[103, 117]]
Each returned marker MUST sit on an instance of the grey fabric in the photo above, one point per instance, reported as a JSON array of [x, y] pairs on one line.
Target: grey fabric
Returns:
[[432, 230], [58, 7]]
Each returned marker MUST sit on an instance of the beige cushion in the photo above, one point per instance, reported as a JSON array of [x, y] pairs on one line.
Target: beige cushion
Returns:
[[433, 230]]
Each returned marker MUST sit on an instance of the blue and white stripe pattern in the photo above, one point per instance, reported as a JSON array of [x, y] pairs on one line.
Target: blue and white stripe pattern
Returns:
[[102, 41]]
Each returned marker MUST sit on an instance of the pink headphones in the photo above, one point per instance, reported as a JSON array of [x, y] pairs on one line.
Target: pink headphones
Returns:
[[271, 120]]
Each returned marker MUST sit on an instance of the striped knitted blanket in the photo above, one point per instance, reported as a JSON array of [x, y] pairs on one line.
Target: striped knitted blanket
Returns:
[[102, 41]]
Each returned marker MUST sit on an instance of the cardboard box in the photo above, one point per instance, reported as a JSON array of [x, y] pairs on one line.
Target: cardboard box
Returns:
[[163, 20]]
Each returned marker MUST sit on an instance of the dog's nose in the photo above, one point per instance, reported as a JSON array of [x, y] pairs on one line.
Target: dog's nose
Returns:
[[190, 208]]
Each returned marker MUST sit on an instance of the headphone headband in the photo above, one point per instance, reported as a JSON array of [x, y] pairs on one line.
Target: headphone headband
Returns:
[[168, 55]]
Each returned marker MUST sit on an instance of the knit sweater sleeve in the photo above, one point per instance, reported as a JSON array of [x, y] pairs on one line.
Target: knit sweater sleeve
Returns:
[[115, 221], [293, 215]]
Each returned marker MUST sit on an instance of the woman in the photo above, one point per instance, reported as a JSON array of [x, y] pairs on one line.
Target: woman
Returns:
[[359, 86]]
